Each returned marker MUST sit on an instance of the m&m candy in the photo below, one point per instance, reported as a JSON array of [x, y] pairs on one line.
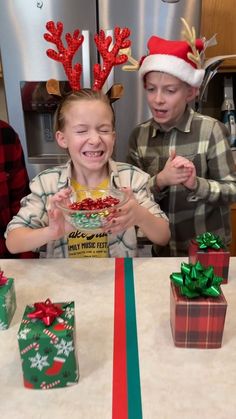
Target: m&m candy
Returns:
[[92, 220]]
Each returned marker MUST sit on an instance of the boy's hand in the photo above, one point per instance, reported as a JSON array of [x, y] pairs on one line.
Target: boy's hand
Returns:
[[191, 182], [180, 162], [177, 170]]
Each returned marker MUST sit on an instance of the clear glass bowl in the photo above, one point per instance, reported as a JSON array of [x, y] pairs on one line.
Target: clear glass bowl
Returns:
[[90, 210]]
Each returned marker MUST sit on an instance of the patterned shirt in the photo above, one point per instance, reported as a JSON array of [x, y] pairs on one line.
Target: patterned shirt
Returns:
[[203, 140], [33, 212], [14, 182]]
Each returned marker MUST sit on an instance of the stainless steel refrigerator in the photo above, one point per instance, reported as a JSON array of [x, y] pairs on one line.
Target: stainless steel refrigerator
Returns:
[[26, 68]]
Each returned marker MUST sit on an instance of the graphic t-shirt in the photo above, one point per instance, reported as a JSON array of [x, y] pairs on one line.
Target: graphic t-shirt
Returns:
[[81, 244]]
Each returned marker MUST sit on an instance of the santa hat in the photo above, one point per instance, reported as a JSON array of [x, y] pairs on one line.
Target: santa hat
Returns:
[[172, 57]]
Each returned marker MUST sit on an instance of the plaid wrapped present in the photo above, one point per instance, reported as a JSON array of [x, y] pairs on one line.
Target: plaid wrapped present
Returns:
[[197, 322], [219, 257], [7, 301], [46, 339]]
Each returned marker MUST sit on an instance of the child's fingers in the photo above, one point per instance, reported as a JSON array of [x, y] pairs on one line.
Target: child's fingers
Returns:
[[128, 191], [172, 154], [182, 162], [58, 197]]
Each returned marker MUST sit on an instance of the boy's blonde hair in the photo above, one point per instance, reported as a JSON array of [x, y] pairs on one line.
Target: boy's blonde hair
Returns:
[[83, 94]]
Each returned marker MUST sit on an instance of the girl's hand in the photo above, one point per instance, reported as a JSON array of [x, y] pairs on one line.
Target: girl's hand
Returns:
[[126, 216], [58, 226]]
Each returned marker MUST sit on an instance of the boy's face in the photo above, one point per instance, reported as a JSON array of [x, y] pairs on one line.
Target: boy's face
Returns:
[[88, 135], [167, 97]]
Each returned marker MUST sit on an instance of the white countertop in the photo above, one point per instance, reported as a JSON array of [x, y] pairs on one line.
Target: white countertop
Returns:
[[175, 382]]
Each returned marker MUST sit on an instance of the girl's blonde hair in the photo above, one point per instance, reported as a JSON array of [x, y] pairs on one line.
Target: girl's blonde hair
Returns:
[[83, 94]]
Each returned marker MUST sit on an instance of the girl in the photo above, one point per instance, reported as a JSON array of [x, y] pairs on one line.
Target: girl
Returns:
[[84, 125]]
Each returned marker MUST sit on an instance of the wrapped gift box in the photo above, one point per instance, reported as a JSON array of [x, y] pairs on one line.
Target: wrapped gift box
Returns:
[[219, 259], [48, 353], [7, 303], [197, 322]]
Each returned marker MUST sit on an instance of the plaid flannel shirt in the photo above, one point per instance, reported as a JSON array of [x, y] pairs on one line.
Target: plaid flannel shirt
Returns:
[[33, 212], [14, 182], [203, 140]]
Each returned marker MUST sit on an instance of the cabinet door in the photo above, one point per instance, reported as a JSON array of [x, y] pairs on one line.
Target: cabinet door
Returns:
[[219, 16]]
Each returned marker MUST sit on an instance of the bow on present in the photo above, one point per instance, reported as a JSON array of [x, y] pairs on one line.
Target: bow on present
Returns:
[[45, 311], [197, 281], [209, 240], [3, 279]]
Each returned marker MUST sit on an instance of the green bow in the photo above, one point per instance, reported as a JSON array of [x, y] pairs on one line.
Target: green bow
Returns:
[[209, 240], [196, 281]]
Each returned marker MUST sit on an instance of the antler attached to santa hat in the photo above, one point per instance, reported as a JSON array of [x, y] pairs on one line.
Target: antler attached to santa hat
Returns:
[[65, 55], [190, 37]]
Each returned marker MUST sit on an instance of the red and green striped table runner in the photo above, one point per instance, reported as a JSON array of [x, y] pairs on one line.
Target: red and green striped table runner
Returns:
[[127, 403]]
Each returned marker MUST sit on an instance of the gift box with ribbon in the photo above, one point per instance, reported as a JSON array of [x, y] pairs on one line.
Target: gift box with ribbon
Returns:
[[7, 300], [197, 307], [46, 340], [210, 250]]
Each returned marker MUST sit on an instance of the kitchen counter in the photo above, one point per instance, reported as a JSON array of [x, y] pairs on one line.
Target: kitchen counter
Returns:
[[175, 382]]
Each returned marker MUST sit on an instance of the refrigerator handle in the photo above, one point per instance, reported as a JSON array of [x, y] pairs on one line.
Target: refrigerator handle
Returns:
[[86, 60], [110, 79]]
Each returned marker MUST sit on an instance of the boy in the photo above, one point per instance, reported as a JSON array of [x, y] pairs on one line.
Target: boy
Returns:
[[186, 154]]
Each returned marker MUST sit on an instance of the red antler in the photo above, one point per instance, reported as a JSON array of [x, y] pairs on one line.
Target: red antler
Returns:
[[65, 55], [110, 58]]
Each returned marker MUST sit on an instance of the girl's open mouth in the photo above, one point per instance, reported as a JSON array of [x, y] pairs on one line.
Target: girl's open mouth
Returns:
[[93, 153]]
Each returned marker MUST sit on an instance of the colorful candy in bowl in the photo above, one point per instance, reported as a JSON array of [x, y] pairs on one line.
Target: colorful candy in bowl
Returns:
[[91, 209]]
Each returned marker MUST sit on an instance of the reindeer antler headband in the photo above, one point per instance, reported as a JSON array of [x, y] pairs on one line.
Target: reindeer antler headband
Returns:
[[111, 56]]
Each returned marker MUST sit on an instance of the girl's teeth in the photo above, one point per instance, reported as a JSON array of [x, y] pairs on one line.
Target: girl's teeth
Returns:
[[93, 153]]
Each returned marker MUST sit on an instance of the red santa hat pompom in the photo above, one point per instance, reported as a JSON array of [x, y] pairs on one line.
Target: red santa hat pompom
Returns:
[[178, 58]]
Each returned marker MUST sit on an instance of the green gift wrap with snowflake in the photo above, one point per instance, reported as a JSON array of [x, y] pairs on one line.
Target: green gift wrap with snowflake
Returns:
[[7, 300], [47, 345]]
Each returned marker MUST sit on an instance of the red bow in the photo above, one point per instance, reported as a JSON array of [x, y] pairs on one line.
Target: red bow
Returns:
[[45, 311], [3, 279]]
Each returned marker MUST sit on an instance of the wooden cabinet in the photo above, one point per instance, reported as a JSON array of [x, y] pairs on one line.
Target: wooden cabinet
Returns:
[[219, 16]]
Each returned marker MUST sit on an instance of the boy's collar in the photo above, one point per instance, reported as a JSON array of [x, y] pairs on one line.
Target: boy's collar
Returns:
[[184, 123]]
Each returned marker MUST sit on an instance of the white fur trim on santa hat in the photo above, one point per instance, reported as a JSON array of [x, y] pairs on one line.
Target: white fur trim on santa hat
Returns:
[[172, 65]]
